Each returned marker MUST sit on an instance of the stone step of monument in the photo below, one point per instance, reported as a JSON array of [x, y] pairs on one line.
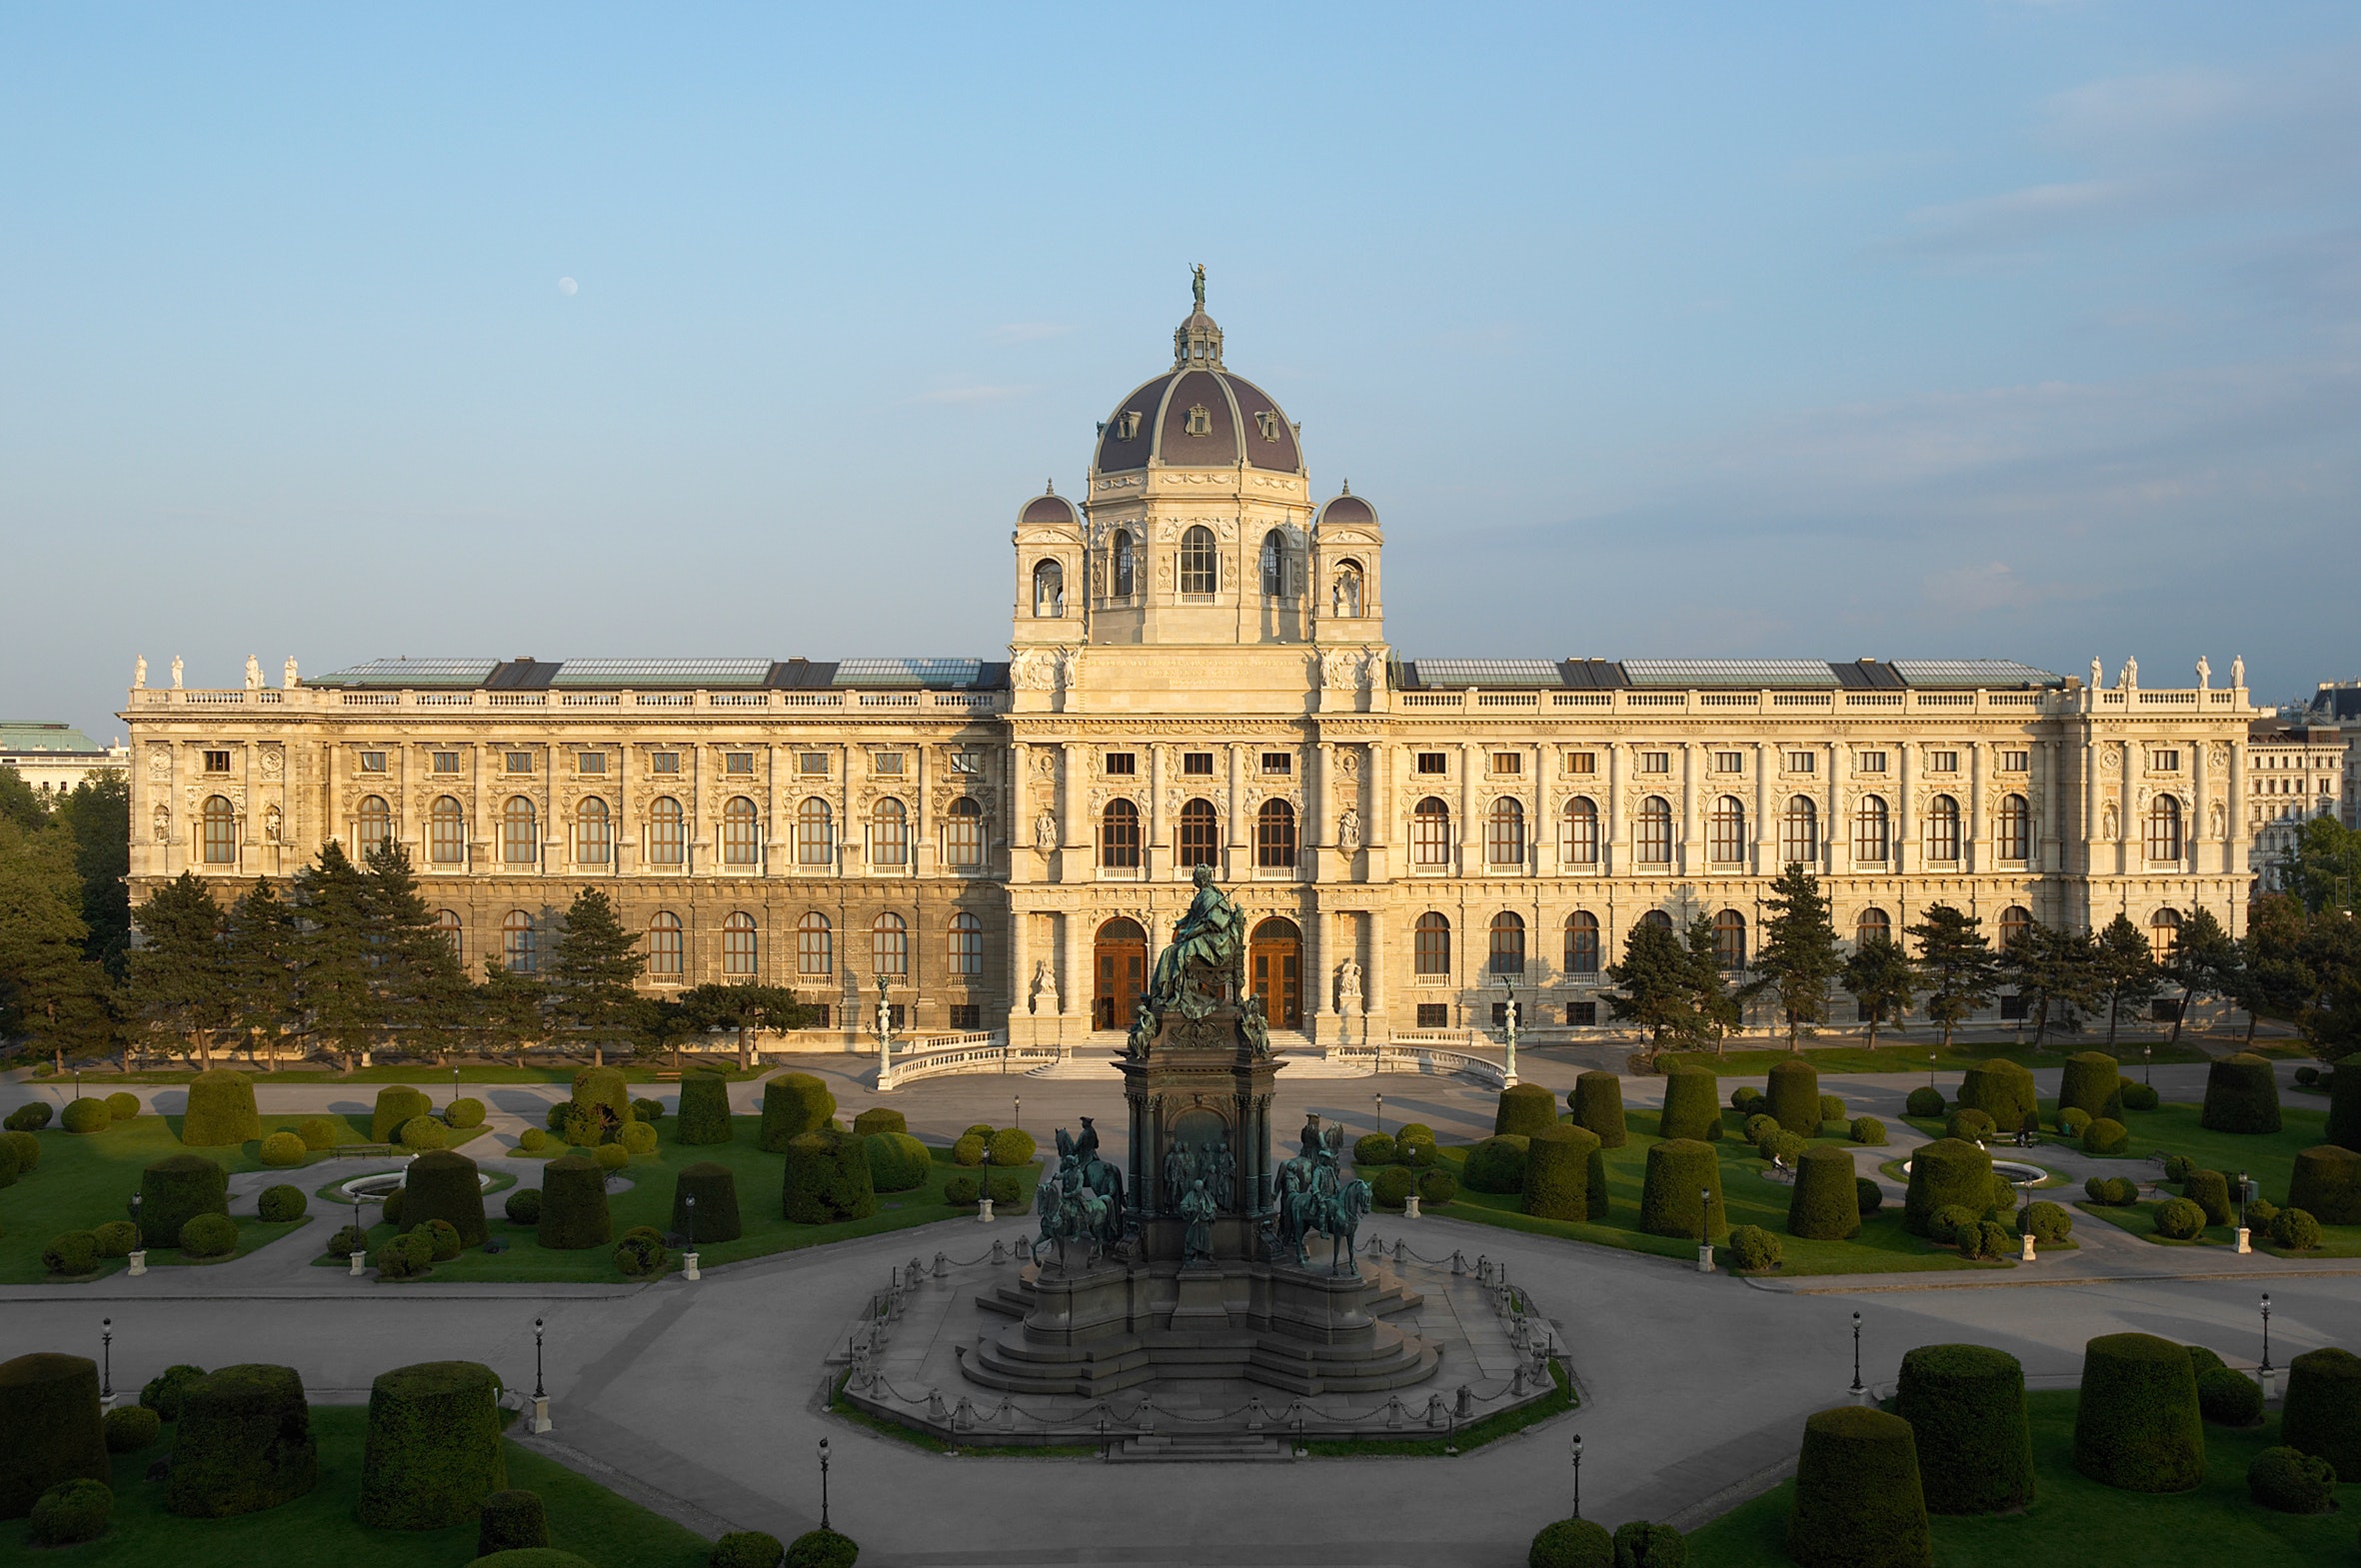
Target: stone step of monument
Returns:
[[1090, 1061], [1201, 1448]]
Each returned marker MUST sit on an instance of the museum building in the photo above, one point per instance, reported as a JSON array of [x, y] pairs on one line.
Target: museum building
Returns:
[[1199, 674]]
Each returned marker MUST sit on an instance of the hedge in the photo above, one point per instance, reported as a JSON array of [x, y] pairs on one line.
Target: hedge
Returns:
[[2136, 1426], [1564, 1175], [2295, 1229], [2290, 1483], [2229, 1399], [221, 1110], [446, 1185], [601, 1094], [464, 1112], [130, 1428], [611, 1157], [2344, 1111], [176, 1190], [793, 1104], [1943, 1173], [1966, 1409], [1868, 1196], [574, 1204], [1793, 1095], [1572, 1543], [879, 1118], [2327, 1184], [636, 1139], [1598, 1103], [29, 1117], [2137, 1097], [71, 1253], [397, 1103], [164, 1391], [244, 1445], [826, 1178], [2105, 1136], [746, 1549], [898, 1162], [2004, 1091], [2210, 1191], [2241, 1095], [1677, 1169], [705, 1110], [510, 1521], [1639, 1544], [406, 1256], [72, 1512], [50, 1430], [1524, 1109], [2092, 1085], [642, 1254], [962, 1191], [120, 1237], [433, 1452], [1970, 1123], [1867, 1131], [1859, 1503], [86, 1115], [2322, 1412], [1825, 1205], [27, 1147], [1396, 1183], [1497, 1165], [969, 1149]]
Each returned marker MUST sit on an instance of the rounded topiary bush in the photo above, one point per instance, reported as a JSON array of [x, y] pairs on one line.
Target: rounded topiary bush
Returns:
[[648, 1110], [2321, 1414], [714, 1188], [1524, 1109], [1692, 1105], [29, 1117], [318, 1133], [1966, 1409], [244, 1445], [397, 1103], [1858, 1502], [86, 1115], [1923, 1102], [464, 1112], [2047, 1223], [1677, 1170], [1832, 1108], [2004, 1091], [1559, 1180], [50, 1430], [880, 1119], [1780, 1147], [1947, 1173], [283, 1149], [1868, 1130], [574, 1211], [642, 1254], [1639, 1544], [1598, 1103], [1497, 1165], [2210, 1191], [637, 1138], [1745, 1100], [209, 1235], [2295, 1229], [705, 1110], [1753, 1250], [793, 1104], [2071, 1121], [1393, 1186], [2289, 1481], [1373, 1150], [72, 1512], [24, 1146], [821, 1549], [2327, 1184], [1572, 1543], [746, 1549], [826, 1179], [122, 1105], [1868, 1196], [1825, 1205], [1953, 1224], [2241, 1095], [422, 1132], [509, 1521], [533, 1141], [2091, 1084], [164, 1392], [433, 1452], [1005, 1195], [2105, 1136], [281, 1203], [962, 1191], [2136, 1096], [523, 1206], [1436, 1186], [2136, 1426], [609, 1157], [406, 1256], [71, 1254], [1761, 1125], [2228, 1399], [220, 1111], [898, 1162], [969, 1149], [1970, 1123], [1793, 1095], [1011, 1147], [601, 1094], [2178, 1220], [130, 1428], [446, 1185], [442, 1239]]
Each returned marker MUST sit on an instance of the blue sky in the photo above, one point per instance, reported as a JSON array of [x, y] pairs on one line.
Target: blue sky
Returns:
[[1961, 327]]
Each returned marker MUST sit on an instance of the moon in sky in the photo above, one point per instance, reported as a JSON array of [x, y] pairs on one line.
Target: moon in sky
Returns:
[[567, 286]]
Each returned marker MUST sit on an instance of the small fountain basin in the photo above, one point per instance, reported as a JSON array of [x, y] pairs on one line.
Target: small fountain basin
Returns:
[[2015, 1171], [374, 1188]]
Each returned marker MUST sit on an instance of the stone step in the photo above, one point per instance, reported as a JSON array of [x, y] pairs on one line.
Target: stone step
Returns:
[[1201, 1448]]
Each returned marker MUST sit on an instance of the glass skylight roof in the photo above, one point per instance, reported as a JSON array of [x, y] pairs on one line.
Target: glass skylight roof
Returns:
[[1971, 673], [413, 673], [662, 671], [1746, 672], [1486, 672], [909, 672]]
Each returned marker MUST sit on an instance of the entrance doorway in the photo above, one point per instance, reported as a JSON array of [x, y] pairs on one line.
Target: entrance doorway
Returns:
[[1274, 967], [1119, 967]]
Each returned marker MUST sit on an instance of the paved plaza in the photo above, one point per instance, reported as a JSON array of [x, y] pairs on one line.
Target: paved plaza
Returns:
[[704, 1398]]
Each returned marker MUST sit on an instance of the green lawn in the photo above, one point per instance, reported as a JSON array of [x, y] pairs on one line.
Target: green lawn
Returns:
[[2073, 1519], [649, 1202], [2172, 1129], [1912, 1056], [320, 1527], [2140, 1220], [1748, 1196]]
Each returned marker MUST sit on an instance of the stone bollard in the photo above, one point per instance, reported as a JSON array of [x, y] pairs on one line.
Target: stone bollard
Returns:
[[540, 1420], [2026, 1252], [1464, 1402], [984, 1211], [1705, 1258], [1410, 1206], [357, 1261], [689, 1266], [139, 1261], [2245, 1240]]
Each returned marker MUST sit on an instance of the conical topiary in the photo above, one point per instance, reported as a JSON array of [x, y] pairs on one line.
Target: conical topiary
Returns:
[[705, 1110], [2136, 1425], [1948, 1173], [244, 1445], [396, 1103], [1793, 1095], [1858, 1502], [2322, 1412], [1826, 1206], [1559, 1180], [175, 1190], [1692, 1105], [793, 1104], [714, 1188], [1598, 1103], [574, 1210], [1966, 1406], [221, 1110], [50, 1428], [1677, 1170], [2092, 1082], [2241, 1095], [2003, 1090], [444, 1184], [1525, 1109], [433, 1453]]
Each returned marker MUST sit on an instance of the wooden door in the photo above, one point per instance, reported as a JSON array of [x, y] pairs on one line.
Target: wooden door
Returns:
[[1275, 969], [1119, 970]]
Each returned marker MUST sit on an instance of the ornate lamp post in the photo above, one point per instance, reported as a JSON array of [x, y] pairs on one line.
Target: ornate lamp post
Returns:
[[2148, 1065], [1704, 1230], [1508, 1021], [2265, 1368], [454, 1086], [139, 1248], [1931, 1069], [2245, 1241], [1577, 1450], [884, 1036], [1858, 1391], [824, 1483], [106, 1350], [1380, 1113], [540, 1420]]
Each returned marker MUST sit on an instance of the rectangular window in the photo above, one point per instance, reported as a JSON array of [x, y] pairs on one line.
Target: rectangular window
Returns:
[[817, 1015], [1730, 761], [664, 761], [590, 762], [1434, 763], [2012, 1008], [2164, 1009], [811, 763], [373, 762], [1507, 761], [738, 762], [1655, 761], [966, 1015], [1278, 762], [520, 761], [966, 763], [1581, 762], [1802, 762], [885, 762], [217, 761], [1434, 1016], [1582, 1015], [1197, 765], [2013, 761], [1942, 761], [1500, 1016], [445, 761], [1870, 762], [2166, 762], [1122, 763]]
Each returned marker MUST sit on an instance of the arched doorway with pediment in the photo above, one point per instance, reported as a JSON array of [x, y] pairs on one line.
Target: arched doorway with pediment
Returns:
[[1275, 971], [1119, 970]]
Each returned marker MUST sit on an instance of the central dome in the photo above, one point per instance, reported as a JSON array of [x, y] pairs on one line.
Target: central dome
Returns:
[[1197, 415]]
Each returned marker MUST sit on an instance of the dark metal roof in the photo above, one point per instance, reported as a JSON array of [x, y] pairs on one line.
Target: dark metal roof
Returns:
[[702, 675], [1047, 509], [1233, 404], [1348, 509], [1673, 675]]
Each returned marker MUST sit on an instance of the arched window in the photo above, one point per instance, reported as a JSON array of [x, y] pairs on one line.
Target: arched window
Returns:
[[1508, 945], [1869, 831], [594, 833], [1503, 834], [1275, 836], [2164, 933], [967, 945], [889, 945], [1652, 837], [1274, 565], [516, 942], [218, 819], [1942, 829], [1431, 944], [742, 836], [1729, 940], [446, 833], [814, 944], [373, 825], [2164, 829], [1872, 925], [1049, 590], [889, 834], [1658, 918], [447, 926], [1200, 835], [1581, 846], [663, 946], [1430, 832], [519, 837], [1119, 836], [1125, 568], [1201, 565], [962, 833], [2015, 828], [2016, 923], [1725, 829], [666, 834], [1800, 833], [1582, 942], [739, 949], [815, 832]]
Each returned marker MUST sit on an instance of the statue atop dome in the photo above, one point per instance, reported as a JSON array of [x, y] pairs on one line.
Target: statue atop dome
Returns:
[[1197, 285]]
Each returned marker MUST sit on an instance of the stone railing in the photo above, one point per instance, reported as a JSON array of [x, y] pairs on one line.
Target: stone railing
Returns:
[[946, 1055], [1404, 1055]]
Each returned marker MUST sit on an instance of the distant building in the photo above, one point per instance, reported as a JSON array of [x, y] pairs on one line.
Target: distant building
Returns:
[[2296, 769], [55, 758], [2339, 702]]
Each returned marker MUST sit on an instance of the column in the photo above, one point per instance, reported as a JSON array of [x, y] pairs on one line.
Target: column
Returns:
[[1832, 820], [1762, 810], [1971, 830], [1316, 772], [1372, 973], [1537, 821], [2046, 774], [1611, 830], [2234, 817], [1464, 853], [1316, 1020], [1153, 857], [1906, 857], [1073, 981], [1234, 860], [1020, 976], [2090, 801], [1019, 815], [1685, 854]]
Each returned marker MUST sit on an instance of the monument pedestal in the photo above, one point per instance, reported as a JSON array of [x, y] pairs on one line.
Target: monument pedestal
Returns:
[[1197, 1301]]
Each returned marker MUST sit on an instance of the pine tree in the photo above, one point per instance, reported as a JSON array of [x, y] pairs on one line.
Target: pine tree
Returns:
[[179, 972], [259, 958], [2058, 970], [1798, 955], [2203, 964], [742, 1010], [1956, 963], [421, 988], [53, 994], [1882, 980], [97, 811], [508, 1010], [594, 973], [1655, 988], [336, 997], [660, 1024], [1710, 994], [2126, 971]]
